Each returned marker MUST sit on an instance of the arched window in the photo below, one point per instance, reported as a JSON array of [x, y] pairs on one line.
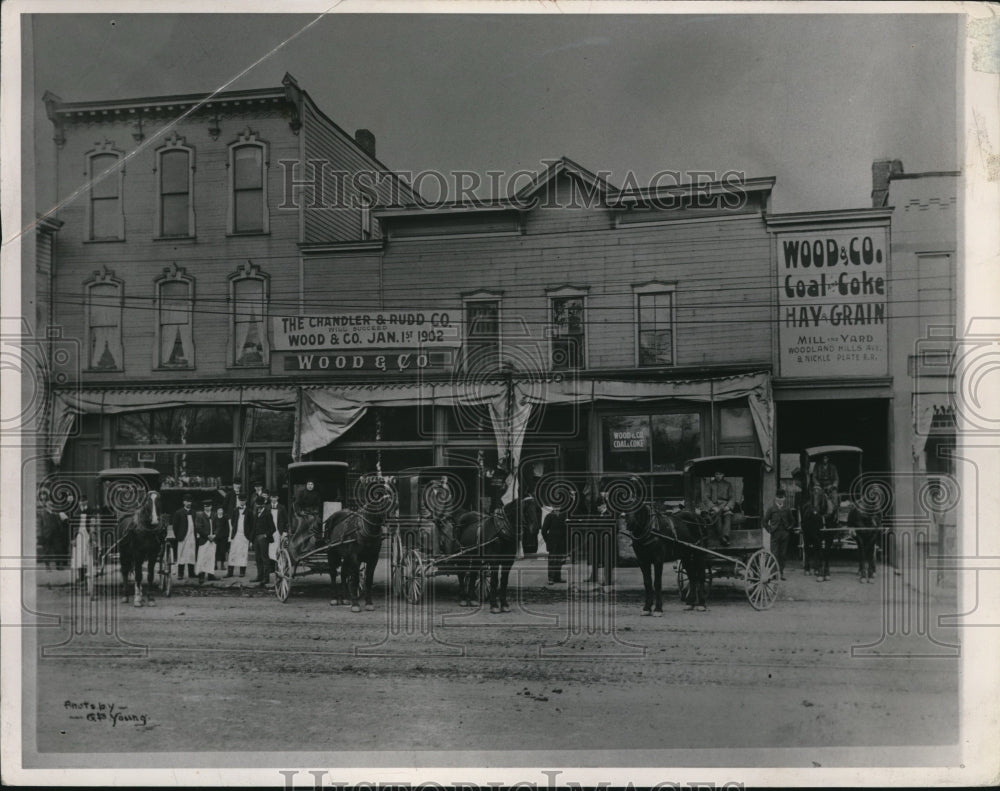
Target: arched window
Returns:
[[248, 295], [105, 174], [248, 185], [175, 312], [104, 294], [175, 181]]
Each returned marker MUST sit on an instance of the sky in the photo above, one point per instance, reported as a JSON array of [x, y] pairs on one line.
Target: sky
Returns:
[[810, 100]]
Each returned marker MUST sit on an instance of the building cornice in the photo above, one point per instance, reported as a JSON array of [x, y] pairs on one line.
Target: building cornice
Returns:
[[880, 216]]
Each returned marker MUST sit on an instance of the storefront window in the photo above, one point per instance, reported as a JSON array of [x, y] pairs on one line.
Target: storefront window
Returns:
[[470, 421], [208, 469], [180, 426], [270, 425], [364, 461], [736, 433], [650, 443], [392, 424]]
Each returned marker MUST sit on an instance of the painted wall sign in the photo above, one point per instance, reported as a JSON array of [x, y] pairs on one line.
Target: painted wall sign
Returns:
[[386, 362], [833, 297], [366, 329]]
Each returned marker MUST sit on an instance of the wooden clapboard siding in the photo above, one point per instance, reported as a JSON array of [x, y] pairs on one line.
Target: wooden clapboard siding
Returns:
[[337, 159], [720, 269], [209, 257], [348, 281]]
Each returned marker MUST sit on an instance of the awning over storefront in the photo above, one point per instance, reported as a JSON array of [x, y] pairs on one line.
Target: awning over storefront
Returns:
[[67, 405], [325, 413], [933, 419]]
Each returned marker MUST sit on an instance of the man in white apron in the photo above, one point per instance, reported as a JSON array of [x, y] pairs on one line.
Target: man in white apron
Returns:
[[184, 532], [239, 537]]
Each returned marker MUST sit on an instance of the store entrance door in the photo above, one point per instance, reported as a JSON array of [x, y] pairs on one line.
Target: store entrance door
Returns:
[[269, 466]]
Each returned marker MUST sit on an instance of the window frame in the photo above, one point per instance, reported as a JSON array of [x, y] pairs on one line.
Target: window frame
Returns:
[[173, 144], [481, 297], [107, 148], [247, 139], [173, 274], [567, 292], [652, 288], [105, 277], [249, 271]]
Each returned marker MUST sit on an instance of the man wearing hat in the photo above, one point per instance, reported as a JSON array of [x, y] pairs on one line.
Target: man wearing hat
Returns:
[[220, 536], [229, 504], [205, 563], [258, 494], [779, 521], [183, 523], [307, 507], [719, 504], [240, 535], [263, 535], [866, 522]]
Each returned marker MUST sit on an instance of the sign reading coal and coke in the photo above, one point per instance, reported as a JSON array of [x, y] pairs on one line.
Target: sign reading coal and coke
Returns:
[[833, 293], [351, 331], [380, 362]]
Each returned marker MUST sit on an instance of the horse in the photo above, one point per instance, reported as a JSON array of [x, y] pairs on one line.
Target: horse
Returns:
[[816, 542], [355, 538], [490, 543], [657, 538], [868, 531], [140, 540], [824, 506]]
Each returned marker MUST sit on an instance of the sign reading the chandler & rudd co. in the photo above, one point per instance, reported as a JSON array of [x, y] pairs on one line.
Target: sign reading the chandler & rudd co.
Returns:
[[833, 293], [355, 330]]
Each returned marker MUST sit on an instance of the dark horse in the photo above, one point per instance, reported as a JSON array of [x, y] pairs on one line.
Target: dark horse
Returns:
[[489, 543], [657, 538], [355, 538], [140, 536]]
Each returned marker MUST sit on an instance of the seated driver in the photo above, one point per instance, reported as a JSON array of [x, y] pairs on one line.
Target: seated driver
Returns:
[[307, 506], [718, 503]]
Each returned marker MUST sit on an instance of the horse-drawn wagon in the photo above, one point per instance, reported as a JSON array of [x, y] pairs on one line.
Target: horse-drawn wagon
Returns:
[[309, 508], [743, 555], [448, 524], [832, 502]]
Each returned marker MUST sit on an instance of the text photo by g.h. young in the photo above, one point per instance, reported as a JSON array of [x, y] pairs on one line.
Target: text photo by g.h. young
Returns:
[[430, 392]]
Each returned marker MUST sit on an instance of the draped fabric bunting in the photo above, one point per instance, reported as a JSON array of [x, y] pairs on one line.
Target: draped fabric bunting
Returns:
[[323, 414]]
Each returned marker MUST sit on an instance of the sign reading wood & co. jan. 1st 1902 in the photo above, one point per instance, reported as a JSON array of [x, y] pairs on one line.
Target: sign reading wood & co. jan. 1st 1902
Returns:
[[354, 330], [833, 293]]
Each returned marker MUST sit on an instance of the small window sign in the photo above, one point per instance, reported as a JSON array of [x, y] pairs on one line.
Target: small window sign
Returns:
[[147, 457]]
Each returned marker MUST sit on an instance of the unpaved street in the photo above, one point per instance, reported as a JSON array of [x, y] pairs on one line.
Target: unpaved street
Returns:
[[230, 668]]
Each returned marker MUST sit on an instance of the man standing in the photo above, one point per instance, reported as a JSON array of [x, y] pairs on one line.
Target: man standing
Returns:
[[554, 534], [719, 504], [262, 528], [778, 521], [278, 516], [220, 536], [866, 524], [204, 548], [240, 535], [187, 541], [259, 495]]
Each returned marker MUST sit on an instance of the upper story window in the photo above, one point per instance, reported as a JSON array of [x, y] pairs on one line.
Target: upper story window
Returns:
[[175, 311], [248, 184], [104, 294], [567, 328], [248, 295], [175, 169], [482, 331], [367, 223], [106, 175], [654, 321]]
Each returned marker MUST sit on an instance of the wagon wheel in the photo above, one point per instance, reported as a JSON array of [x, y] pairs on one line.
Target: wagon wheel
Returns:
[[412, 576], [761, 578], [396, 564], [684, 583], [283, 573], [166, 568]]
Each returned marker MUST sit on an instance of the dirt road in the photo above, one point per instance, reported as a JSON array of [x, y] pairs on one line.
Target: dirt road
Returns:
[[232, 669]]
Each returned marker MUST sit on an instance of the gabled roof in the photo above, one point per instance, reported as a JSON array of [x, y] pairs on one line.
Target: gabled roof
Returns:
[[564, 166]]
